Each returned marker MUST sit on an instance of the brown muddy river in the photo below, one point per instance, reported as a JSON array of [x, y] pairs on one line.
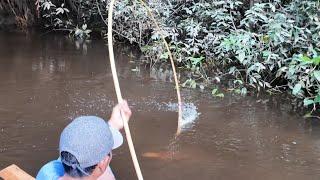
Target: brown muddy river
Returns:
[[47, 81]]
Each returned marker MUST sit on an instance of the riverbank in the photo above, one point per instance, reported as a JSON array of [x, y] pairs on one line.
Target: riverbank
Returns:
[[252, 47]]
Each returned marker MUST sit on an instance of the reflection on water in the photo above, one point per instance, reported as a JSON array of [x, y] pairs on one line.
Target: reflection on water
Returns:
[[45, 82], [164, 75], [51, 66]]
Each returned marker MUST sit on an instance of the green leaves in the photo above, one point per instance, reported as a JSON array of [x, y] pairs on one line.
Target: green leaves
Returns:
[[241, 56], [61, 10], [47, 5], [190, 83], [317, 75], [164, 55], [305, 58], [310, 101], [196, 61], [317, 99], [307, 102], [82, 32], [296, 89], [315, 60], [215, 93]]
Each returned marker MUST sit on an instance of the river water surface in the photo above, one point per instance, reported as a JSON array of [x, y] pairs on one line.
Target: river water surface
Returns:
[[46, 81]]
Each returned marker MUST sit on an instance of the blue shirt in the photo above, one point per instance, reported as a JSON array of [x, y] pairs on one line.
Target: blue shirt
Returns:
[[53, 170]]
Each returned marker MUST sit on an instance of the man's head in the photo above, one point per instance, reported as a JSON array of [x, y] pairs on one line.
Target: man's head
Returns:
[[85, 146]]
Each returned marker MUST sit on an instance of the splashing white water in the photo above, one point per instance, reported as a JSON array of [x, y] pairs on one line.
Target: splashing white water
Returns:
[[189, 114]]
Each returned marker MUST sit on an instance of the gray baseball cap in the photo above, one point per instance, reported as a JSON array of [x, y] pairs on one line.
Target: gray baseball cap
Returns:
[[90, 139]]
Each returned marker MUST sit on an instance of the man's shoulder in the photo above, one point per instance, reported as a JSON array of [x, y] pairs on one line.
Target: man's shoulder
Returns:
[[51, 171]]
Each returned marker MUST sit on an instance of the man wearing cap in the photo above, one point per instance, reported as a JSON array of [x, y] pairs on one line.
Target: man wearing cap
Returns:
[[86, 146]]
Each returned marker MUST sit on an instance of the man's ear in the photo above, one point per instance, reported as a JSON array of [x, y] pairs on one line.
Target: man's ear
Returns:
[[101, 167]]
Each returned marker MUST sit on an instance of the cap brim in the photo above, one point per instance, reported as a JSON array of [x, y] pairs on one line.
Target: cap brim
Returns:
[[117, 138]]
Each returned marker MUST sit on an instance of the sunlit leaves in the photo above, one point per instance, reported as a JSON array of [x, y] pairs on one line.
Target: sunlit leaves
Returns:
[[47, 5], [241, 56], [215, 92], [314, 60], [317, 75], [82, 32], [190, 83], [196, 61], [164, 55], [296, 89], [61, 10], [307, 102]]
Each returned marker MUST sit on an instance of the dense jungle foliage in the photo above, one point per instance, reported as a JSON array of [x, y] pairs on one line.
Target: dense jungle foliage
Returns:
[[268, 45]]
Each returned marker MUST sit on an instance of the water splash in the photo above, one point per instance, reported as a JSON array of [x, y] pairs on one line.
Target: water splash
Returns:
[[189, 114]]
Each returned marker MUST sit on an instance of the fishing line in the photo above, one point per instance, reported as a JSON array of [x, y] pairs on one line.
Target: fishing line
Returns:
[[172, 65]]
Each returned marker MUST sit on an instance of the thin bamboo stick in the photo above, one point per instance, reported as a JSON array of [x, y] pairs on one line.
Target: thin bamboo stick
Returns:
[[118, 92], [172, 65], [117, 86]]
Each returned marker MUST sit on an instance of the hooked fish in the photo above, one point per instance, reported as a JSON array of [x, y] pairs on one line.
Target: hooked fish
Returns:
[[165, 155]]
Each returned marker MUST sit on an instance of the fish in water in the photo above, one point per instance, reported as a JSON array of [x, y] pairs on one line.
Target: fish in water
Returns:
[[165, 155]]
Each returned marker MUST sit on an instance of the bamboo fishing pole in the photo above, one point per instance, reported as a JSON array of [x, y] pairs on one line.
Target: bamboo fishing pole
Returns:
[[119, 96], [117, 86]]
